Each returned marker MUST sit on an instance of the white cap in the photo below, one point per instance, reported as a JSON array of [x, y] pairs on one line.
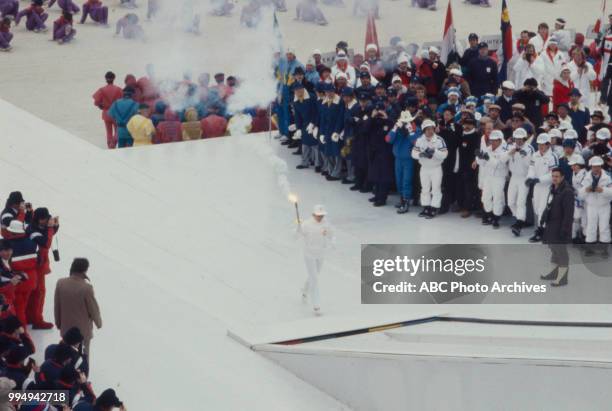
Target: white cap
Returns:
[[555, 132], [603, 134], [570, 134], [371, 46], [543, 139], [403, 58], [396, 78], [16, 227], [341, 75], [576, 159], [596, 161], [455, 72], [316, 51], [560, 21], [319, 210], [496, 135], [453, 93], [520, 133], [310, 61], [427, 123], [434, 50], [509, 85], [290, 50], [365, 66]]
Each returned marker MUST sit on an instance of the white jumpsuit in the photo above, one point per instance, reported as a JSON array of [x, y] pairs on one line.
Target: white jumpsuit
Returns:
[[495, 172], [517, 190], [597, 206], [318, 237], [580, 217], [431, 169], [540, 168]]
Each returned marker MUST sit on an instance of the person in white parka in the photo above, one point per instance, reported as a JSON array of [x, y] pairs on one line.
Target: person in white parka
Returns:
[[494, 167], [596, 192], [553, 60], [318, 237], [582, 74]]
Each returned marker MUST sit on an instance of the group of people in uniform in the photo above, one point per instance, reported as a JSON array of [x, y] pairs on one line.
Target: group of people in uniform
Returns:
[[452, 137]]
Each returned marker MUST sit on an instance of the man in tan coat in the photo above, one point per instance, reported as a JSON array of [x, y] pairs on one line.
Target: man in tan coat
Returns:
[[75, 303]]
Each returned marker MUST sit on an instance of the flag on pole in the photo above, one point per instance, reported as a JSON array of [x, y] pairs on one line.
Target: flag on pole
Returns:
[[507, 42], [449, 43], [278, 35], [600, 24], [371, 35]]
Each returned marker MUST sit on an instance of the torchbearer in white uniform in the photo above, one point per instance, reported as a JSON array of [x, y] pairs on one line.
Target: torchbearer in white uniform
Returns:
[[539, 176], [520, 158], [494, 166], [597, 193], [318, 237]]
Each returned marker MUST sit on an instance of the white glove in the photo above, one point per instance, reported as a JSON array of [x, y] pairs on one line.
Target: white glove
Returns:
[[322, 139], [297, 135], [341, 135], [365, 117], [315, 132], [292, 127], [335, 137], [310, 128], [356, 119]]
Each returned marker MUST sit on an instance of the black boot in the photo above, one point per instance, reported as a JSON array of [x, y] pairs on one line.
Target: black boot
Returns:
[[379, 203], [317, 169], [552, 275], [486, 219], [372, 199], [562, 277], [537, 236], [432, 213], [495, 222], [355, 188], [404, 208], [424, 212], [331, 178], [517, 227], [301, 167]]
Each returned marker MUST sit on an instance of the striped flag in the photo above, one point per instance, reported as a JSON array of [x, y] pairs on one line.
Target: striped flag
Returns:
[[507, 42], [600, 24], [449, 44], [371, 35]]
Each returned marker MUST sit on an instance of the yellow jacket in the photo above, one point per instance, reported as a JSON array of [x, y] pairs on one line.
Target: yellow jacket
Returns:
[[141, 129]]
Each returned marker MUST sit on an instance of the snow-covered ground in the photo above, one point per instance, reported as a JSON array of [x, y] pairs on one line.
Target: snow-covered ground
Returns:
[[56, 82]]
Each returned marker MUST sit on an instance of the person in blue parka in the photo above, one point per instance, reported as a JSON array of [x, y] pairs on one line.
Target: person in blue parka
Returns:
[[305, 112], [121, 112], [331, 122], [402, 136]]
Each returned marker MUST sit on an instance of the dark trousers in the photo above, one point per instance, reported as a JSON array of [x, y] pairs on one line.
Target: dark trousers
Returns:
[[361, 178], [559, 255], [450, 184], [381, 191], [467, 190]]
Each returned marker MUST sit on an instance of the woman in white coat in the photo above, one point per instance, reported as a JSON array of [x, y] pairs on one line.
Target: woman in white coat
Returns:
[[582, 76], [529, 65], [553, 60]]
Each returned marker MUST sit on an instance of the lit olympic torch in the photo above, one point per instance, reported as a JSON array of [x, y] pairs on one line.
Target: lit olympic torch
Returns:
[[293, 198]]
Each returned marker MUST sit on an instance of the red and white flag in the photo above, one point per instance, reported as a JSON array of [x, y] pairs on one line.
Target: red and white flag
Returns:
[[600, 24], [371, 35], [449, 45], [606, 41]]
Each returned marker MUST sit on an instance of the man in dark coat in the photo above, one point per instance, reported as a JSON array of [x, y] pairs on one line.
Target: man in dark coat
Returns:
[[381, 168], [361, 123], [482, 73], [557, 220], [533, 100], [467, 189]]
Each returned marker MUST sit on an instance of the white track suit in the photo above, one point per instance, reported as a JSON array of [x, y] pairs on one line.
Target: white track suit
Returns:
[[597, 207], [517, 190], [431, 169], [495, 171], [318, 238], [580, 217], [540, 168]]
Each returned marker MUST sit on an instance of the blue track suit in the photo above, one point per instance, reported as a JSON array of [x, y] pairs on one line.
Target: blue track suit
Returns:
[[404, 164], [284, 73], [122, 111]]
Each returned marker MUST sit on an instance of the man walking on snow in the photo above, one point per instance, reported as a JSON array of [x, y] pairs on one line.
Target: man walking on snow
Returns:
[[318, 237]]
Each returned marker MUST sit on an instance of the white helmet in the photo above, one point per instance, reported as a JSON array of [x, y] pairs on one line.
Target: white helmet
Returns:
[[555, 132], [576, 159], [603, 134], [570, 134], [520, 133], [496, 135], [319, 210], [543, 139], [427, 123], [596, 161], [16, 227]]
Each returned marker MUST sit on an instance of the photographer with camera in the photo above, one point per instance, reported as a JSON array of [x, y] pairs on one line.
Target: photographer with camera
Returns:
[[41, 232], [402, 136], [16, 209], [530, 65], [24, 262], [107, 401], [380, 170], [557, 221], [8, 278]]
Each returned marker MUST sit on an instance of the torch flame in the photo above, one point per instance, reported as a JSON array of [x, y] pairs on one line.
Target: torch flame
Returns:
[[293, 198]]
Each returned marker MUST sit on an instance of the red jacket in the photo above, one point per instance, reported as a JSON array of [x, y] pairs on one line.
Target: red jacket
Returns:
[[104, 98], [561, 93], [213, 126], [169, 130]]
